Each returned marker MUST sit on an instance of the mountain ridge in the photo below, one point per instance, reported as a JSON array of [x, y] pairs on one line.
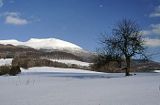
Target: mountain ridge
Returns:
[[43, 43], [45, 46]]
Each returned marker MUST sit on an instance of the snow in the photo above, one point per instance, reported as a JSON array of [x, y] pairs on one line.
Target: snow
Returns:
[[61, 72], [66, 61], [46, 43], [157, 71], [12, 42], [7, 61], [53, 69], [43, 86]]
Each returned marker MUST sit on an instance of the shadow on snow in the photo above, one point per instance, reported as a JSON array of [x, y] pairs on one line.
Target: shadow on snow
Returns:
[[76, 75]]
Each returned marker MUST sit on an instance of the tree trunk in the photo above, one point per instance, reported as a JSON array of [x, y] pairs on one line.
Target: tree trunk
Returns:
[[128, 66]]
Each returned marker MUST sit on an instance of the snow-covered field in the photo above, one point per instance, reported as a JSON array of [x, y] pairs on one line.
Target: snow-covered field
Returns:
[[7, 61], [66, 61], [56, 86]]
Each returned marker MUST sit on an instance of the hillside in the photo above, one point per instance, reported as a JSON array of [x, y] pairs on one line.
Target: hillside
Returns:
[[49, 47], [61, 51]]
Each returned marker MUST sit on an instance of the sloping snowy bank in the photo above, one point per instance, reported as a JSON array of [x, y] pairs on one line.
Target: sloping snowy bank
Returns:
[[61, 72], [66, 61]]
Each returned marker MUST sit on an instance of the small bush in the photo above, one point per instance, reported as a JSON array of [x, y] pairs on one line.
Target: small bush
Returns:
[[14, 70], [10, 70], [4, 69]]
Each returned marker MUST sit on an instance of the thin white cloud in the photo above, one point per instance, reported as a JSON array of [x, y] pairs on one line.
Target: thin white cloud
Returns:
[[12, 13], [1, 3], [152, 42], [14, 18], [154, 30], [156, 12]]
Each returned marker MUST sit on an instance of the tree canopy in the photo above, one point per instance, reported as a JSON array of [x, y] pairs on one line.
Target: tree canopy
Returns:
[[126, 41]]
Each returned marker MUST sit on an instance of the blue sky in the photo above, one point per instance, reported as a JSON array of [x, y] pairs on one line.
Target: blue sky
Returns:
[[77, 21]]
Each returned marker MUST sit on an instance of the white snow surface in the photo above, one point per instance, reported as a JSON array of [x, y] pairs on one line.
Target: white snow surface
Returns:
[[157, 71], [69, 61], [54, 70], [7, 61], [46, 43], [57, 86]]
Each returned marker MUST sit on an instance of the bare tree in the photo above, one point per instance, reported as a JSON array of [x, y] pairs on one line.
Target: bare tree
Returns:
[[126, 41]]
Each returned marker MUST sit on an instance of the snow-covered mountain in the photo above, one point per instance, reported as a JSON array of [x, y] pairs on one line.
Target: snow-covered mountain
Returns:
[[47, 43]]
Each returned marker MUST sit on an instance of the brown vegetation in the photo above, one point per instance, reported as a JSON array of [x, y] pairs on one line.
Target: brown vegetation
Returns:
[[10, 70], [27, 62], [136, 66]]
